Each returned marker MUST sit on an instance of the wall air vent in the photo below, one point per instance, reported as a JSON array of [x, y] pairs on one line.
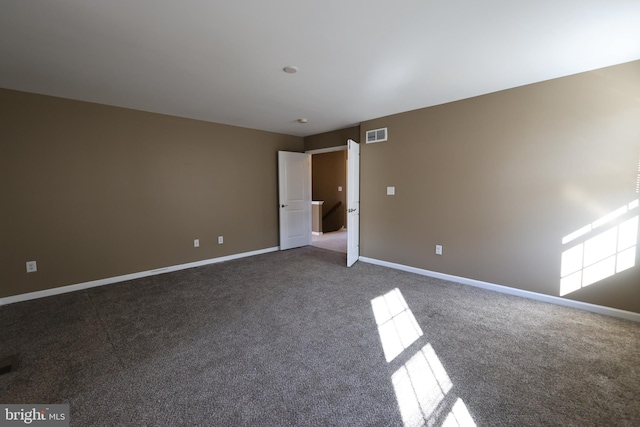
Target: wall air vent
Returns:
[[376, 135]]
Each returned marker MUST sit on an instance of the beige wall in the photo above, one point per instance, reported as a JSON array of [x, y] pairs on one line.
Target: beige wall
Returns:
[[329, 172], [316, 218], [91, 191], [334, 138], [500, 179]]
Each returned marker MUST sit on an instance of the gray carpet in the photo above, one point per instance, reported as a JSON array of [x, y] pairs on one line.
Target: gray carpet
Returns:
[[333, 241], [290, 339]]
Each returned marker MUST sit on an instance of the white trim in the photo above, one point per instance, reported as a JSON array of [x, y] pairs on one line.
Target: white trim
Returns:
[[327, 150], [116, 279], [317, 233], [317, 202], [614, 312]]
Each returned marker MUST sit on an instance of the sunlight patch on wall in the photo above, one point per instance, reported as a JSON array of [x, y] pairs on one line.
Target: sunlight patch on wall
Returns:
[[600, 222], [601, 255], [638, 177], [422, 386], [397, 325]]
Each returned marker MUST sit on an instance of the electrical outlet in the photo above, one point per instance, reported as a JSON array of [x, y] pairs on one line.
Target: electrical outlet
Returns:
[[196, 243], [220, 240], [438, 249], [391, 191], [339, 187], [31, 267]]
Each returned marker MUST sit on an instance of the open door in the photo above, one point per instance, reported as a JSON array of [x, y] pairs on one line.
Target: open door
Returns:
[[353, 202], [294, 181]]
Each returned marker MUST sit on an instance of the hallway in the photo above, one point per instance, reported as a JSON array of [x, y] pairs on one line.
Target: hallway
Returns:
[[334, 241]]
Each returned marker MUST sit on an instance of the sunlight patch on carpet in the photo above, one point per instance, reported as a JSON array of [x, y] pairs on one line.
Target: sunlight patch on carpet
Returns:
[[397, 325], [423, 389]]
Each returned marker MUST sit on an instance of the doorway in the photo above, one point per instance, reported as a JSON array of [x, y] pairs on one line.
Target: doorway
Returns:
[[297, 208], [335, 189], [333, 240], [329, 194]]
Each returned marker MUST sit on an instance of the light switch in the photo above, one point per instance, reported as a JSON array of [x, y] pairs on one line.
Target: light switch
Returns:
[[32, 267], [391, 191], [340, 188]]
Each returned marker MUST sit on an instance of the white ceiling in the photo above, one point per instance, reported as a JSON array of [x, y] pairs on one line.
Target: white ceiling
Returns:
[[222, 60]]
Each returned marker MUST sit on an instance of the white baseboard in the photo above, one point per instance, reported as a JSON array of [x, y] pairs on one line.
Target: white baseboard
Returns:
[[614, 312], [116, 279], [317, 233]]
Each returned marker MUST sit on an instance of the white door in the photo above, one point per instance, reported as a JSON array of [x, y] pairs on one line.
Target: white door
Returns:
[[294, 178], [353, 202]]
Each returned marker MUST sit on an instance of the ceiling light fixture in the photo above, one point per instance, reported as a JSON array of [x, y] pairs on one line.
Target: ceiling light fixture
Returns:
[[302, 120], [290, 69]]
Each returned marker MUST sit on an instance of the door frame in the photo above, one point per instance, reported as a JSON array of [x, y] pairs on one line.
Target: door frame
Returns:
[[330, 150]]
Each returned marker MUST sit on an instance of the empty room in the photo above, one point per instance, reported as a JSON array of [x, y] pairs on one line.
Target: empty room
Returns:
[[159, 218]]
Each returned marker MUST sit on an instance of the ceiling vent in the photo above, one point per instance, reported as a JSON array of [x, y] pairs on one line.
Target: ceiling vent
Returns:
[[376, 135]]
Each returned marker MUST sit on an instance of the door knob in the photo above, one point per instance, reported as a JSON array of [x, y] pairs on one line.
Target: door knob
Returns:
[[284, 206]]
